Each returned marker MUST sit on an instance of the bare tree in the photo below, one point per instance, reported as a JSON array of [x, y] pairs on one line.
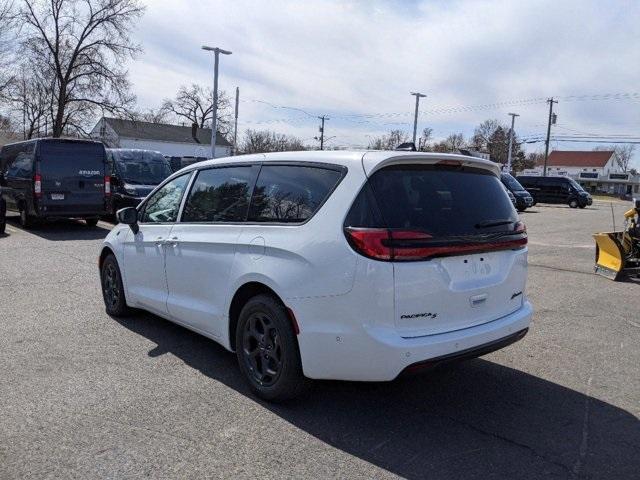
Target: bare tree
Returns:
[[30, 99], [81, 45], [482, 134], [8, 35], [451, 144], [425, 138], [152, 115], [261, 141], [390, 141], [624, 154], [195, 105]]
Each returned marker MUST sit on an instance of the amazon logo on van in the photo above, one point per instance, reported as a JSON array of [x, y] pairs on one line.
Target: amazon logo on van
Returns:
[[88, 173]]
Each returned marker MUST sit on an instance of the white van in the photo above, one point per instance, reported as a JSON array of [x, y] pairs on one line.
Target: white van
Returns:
[[327, 265]]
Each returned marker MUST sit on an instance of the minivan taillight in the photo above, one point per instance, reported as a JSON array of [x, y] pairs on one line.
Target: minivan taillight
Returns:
[[107, 185], [407, 245], [37, 185]]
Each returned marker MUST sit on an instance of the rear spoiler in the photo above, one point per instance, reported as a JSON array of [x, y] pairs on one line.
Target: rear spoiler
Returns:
[[373, 161]]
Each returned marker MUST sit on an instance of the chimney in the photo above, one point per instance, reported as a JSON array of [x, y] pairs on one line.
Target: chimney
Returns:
[[194, 132]]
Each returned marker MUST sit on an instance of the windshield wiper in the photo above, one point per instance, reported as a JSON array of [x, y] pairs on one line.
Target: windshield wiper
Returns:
[[493, 223]]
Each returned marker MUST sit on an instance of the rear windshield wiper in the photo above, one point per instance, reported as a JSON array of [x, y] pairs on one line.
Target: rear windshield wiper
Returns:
[[493, 223]]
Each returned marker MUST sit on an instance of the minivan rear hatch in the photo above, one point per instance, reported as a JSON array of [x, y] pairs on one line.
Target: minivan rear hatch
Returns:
[[457, 246], [73, 175]]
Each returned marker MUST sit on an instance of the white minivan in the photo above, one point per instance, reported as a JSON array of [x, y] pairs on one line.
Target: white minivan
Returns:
[[327, 265]]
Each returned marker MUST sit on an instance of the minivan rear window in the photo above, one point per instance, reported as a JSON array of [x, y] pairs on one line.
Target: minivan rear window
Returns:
[[440, 201], [290, 194], [71, 159]]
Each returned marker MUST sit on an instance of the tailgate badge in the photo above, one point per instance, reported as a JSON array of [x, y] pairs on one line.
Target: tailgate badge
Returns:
[[419, 315]]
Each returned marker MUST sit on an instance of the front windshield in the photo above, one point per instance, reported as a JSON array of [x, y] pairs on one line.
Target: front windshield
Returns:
[[141, 167], [575, 185], [512, 183]]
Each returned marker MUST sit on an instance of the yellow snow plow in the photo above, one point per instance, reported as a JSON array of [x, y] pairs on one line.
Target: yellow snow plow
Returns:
[[618, 253]]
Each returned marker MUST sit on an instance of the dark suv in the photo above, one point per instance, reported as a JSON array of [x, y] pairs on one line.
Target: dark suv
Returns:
[[524, 199], [134, 173], [53, 177], [556, 190]]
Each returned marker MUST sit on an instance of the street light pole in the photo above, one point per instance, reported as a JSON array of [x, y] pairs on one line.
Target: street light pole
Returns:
[[513, 121], [550, 101], [217, 51], [415, 117], [235, 123]]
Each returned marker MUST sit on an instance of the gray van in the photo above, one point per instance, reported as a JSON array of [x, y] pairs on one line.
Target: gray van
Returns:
[[53, 177]]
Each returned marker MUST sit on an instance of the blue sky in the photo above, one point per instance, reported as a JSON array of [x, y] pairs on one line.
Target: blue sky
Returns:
[[343, 58]]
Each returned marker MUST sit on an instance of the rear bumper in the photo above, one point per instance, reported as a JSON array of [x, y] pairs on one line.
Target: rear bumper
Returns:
[[70, 212], [472, 352], [380, 354]]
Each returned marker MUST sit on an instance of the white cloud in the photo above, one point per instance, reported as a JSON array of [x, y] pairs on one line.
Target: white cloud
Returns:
[[347, 57]]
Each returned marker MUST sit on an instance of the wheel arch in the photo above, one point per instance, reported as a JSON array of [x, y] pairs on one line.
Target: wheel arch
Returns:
[[104, 253], [242, 295]]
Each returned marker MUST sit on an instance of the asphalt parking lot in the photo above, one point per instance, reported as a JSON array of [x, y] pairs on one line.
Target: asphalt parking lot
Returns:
[[83, 395]]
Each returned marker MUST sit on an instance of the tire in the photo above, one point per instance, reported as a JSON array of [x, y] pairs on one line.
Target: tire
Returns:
[[91, 222], [26, 220], [267, 350], [112, 289], [573, 203], [581, 206], [3, 224], [521, 209]]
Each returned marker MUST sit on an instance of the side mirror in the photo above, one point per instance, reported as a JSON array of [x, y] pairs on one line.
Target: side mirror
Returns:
[[128, 216]]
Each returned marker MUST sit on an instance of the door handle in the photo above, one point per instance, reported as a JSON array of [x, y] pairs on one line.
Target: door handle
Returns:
[[160, 241], [173, 241]]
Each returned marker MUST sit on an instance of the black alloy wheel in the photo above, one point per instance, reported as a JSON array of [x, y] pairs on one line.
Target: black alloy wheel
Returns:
[[112, 288], [262, 349], [267, 350]]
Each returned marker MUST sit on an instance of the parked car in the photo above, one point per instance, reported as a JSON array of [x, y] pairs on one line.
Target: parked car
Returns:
[[3, 213], [134, 173], [556, 190], [523, 199], [53, 177], [327, 265], [511, 197]]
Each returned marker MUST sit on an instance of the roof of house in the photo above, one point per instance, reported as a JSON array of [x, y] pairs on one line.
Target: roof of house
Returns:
[[568, 158], [162, 132]]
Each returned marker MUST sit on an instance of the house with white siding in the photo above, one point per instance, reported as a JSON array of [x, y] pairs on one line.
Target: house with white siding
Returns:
[[174, 141]]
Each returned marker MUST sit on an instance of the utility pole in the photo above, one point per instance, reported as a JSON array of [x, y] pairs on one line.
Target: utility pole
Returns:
[[418, 96], [513, 121], [235, 124], [322, 119], [217, 51], [550, 101]]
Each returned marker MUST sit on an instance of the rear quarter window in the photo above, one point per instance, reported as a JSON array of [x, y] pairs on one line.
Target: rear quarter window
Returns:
[[291, 194]]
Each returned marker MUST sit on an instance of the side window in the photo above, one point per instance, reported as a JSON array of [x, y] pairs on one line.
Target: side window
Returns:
[[220, 195], [290, 194], [22, 166], [164, 205]]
